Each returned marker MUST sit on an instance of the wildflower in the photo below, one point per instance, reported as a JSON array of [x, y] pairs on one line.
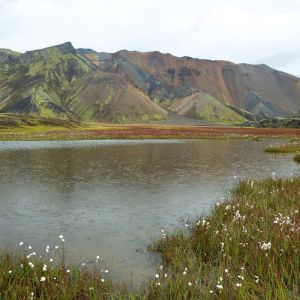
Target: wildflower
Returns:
[[56, 247], [161, 267], [226, 270], [158, 283], [21, 243], [42, 279], [211, 292], [21, 266], [166, 275], [47, 249], [184, 273], [29, 247], [68, 271], [10, 271], [162, 230], [91, 288], [61, 236], [31, 265], [189, 284], [256, 278], [219, 286], [97, 257], [44, 268], [156, 275], [51, 260], [241, 277], [102, 280], [83, 264], [106, 271], [238, 284], [265, 246]]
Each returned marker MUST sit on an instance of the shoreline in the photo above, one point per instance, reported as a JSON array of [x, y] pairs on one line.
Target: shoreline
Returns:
[[247, 247], [109, 131]]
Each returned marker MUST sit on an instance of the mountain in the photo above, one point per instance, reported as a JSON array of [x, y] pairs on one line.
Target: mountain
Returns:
[[130, 86]]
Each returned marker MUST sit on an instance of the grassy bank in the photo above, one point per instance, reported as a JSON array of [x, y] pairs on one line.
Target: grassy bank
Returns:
[[44, 132], [246, 248], [291, 147]]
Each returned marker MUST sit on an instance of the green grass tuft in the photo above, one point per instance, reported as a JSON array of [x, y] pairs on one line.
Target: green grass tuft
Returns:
[[297, 158], [291, 147]]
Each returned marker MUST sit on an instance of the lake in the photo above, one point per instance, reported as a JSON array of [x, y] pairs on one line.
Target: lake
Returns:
[[110, 198]]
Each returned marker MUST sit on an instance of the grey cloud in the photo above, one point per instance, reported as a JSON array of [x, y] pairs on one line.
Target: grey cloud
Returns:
[[241, 31]]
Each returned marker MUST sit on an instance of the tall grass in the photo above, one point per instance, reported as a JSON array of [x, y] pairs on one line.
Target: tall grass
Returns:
[[248, 247]]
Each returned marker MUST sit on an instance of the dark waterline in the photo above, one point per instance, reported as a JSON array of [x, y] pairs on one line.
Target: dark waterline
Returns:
[[110, 198]]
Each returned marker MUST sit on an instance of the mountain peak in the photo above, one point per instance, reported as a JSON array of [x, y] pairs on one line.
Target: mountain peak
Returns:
[[64, 48]]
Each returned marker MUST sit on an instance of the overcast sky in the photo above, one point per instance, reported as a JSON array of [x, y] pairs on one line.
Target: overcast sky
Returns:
[[256, 31]]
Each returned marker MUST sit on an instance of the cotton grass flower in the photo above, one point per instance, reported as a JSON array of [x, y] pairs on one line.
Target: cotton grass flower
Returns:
[[21, 243], [238, 284], [265, 246], [43, 279], [156, 275], [44, 268]]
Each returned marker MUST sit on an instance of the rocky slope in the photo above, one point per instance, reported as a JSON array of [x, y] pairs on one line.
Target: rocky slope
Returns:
[[130, 86]]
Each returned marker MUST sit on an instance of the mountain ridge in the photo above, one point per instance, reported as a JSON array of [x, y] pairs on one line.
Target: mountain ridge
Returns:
[[132, 86]]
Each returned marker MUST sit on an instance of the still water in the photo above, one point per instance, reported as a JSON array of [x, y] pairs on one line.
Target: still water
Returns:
[[110, 198]]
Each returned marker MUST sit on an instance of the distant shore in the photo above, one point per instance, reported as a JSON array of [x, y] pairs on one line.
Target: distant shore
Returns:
[[140, 131]]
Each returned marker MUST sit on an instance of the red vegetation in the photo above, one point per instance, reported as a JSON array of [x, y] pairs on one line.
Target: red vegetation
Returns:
[[187, 132]]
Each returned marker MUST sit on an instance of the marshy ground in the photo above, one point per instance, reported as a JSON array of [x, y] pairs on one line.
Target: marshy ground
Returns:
[[19, 127], [246, 248]]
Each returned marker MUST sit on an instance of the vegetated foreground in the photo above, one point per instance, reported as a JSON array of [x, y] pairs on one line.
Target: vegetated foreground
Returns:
[[247, 248]]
